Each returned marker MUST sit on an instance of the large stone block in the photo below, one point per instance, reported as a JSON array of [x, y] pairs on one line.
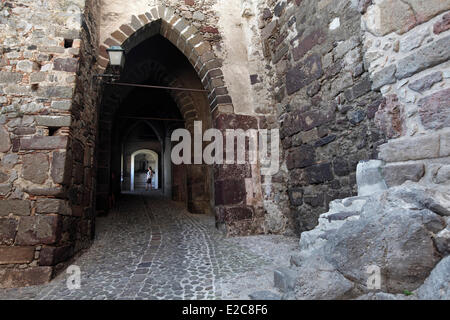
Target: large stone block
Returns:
[[424, 58], [51, 206], [304, 74], [396, 173], [27, 66], [8, 227], [300, 157], [10, 278], [426, 82], [389, 236], [44, 143], [230, 191], [427, 9], [10, 255], [66, 64], [407, 149], [5, 141], [46, 191], [35, 167], [55, 92], [58, 173], [9, 160], [434, 110], [10, 77], [15, 207], [297, 121], [38, 229], [388, 16], [310, 41], [53, 121], [64, 105], [384, 77], [50, 256], [315, 279], [319, 173]]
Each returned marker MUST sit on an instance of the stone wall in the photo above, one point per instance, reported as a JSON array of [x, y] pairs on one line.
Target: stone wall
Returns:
[[47, 132], [407, 54], [323, 99], [339, 78]]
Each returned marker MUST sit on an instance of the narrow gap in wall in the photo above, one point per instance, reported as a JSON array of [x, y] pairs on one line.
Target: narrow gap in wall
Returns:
[[68, 43], [52, 130]]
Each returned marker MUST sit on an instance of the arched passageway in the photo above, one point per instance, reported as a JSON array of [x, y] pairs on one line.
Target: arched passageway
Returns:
[[136, 119], [162, 49]]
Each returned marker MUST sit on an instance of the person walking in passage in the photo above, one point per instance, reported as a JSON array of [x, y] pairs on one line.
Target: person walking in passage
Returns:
[[149, 179]]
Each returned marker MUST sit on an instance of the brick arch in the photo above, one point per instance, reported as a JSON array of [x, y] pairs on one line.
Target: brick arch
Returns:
[[187, 38]]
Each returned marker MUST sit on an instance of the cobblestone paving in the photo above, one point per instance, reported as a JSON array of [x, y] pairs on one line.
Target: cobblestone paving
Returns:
[[152, 248]]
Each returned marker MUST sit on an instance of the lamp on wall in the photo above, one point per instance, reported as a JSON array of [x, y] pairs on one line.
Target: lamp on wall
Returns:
[[116, 56]]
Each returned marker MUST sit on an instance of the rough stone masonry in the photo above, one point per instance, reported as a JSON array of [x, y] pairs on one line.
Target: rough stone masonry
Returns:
[[343, 80], [47, 135]]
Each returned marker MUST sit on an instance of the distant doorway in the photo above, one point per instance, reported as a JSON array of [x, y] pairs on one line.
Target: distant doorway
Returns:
[[140, 161]]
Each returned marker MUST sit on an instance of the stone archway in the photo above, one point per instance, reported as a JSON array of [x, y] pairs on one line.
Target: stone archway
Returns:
[[187, 38], [237, 205]]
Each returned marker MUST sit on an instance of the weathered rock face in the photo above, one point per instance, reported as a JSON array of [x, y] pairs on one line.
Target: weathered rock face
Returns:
[[437, 285], [402, 231], [324, 274], [404, 251]]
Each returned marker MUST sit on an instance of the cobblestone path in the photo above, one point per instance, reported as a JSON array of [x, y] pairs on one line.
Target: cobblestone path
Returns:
[[152, 248]]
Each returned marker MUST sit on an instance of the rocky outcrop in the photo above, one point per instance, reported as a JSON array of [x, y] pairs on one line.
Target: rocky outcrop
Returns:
[[400, 235], [437, 285]]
